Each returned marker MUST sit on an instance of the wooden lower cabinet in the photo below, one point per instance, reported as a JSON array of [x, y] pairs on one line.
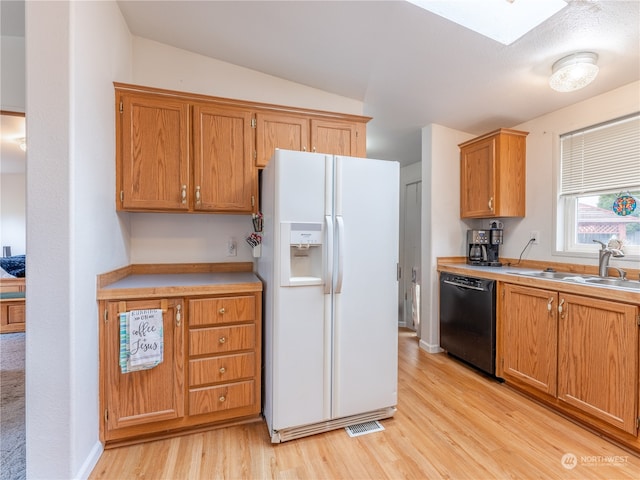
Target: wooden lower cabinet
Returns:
[[210, 374], [577, 354], [530, 333], [12, 305], [145, 396], [224, 339], [12, 316], [598, 359]]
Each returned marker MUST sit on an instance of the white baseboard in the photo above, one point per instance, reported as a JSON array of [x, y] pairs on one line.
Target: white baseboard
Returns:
[[90, 462], [430, 348]]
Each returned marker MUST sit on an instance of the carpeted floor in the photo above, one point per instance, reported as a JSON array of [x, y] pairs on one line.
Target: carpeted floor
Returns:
[[12, 435]]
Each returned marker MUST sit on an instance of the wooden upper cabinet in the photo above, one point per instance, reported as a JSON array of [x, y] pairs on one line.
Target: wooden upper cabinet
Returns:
[[196, 153], [225, 179], [337, 138], [492, 175], [305, 133], [275, 130], [598, 359], [529, 337], [153, 164]]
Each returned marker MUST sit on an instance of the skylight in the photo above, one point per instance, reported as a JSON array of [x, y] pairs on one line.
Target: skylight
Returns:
[[504, 21]]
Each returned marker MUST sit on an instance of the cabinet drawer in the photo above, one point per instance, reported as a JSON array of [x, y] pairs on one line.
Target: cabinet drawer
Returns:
[[208, 311], [221, 369], [12, 313], [222, 339], [223, 397]]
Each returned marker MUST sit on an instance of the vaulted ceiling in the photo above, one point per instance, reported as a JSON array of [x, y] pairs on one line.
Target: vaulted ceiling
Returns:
[[410, 67]]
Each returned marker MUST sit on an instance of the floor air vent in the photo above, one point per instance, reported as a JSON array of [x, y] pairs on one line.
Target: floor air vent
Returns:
[[364, 428]]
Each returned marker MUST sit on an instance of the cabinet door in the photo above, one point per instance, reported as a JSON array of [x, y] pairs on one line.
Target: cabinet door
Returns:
[[275, 130], [153, 170], [529, 337], [335, 138], [477, 179], [144, 396], [225, 179], [598, 359]]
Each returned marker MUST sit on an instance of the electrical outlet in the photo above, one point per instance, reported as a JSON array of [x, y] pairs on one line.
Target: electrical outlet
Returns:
[[232, 247], [535, 236]]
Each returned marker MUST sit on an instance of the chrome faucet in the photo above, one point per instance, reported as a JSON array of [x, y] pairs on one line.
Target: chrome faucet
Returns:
[[621, 273], [604, 256]]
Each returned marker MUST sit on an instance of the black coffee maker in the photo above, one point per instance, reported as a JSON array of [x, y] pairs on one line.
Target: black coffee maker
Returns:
[[483, 247]]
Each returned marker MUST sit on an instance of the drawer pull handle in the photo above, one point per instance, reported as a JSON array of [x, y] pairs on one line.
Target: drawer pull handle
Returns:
[[221, 311], [183, 194], [549, 304], [222, 369], [563, 311], [222, 339], [222, 398], [178, 314]]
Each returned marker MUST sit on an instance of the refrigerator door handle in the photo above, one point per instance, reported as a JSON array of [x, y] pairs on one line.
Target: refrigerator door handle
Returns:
[[328, 278], [340, 235]]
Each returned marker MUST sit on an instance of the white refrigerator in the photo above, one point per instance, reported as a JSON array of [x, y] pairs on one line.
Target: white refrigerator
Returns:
[[330, 267]]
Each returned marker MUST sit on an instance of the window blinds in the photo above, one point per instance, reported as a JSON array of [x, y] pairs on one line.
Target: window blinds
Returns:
[[604, 157]]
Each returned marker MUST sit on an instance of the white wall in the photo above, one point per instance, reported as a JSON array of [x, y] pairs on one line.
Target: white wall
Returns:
[[12, 66], [74, 51], [542, 151], [444, 234], [167, 238], [159, 65], [13, 212], [442, 230]]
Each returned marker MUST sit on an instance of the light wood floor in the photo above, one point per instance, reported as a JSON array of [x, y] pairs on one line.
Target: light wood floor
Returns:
[[451, 423]]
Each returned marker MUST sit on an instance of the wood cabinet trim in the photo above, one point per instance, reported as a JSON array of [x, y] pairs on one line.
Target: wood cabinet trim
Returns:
[[493, 133], [245, 104]]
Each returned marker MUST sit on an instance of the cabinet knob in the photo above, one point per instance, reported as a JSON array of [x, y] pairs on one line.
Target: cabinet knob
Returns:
[[222, 370], [222, 340], [549, 304], [222, 398], [198, 194], [491, 204], [221, 311], [183, 194]]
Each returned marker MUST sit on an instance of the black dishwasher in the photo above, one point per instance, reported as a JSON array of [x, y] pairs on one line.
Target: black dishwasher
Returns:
[[468, 319]]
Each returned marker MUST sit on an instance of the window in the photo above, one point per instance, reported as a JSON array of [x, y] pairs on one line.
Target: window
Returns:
[[599, 186]]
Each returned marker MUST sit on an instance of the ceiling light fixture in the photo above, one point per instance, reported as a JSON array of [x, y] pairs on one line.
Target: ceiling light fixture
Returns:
[[574, 71]]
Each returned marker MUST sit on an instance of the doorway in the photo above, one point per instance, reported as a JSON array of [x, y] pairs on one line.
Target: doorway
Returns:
[[409, 288]]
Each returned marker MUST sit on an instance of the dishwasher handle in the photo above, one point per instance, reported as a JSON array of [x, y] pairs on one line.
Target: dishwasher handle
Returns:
[[461, 285]]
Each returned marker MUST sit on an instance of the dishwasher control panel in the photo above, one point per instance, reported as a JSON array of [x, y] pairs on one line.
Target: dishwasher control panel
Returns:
[[464, 281]]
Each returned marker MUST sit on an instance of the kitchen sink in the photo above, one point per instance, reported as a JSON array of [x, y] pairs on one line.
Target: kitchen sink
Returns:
[[544, 274], [616, 282], [584, 279]]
